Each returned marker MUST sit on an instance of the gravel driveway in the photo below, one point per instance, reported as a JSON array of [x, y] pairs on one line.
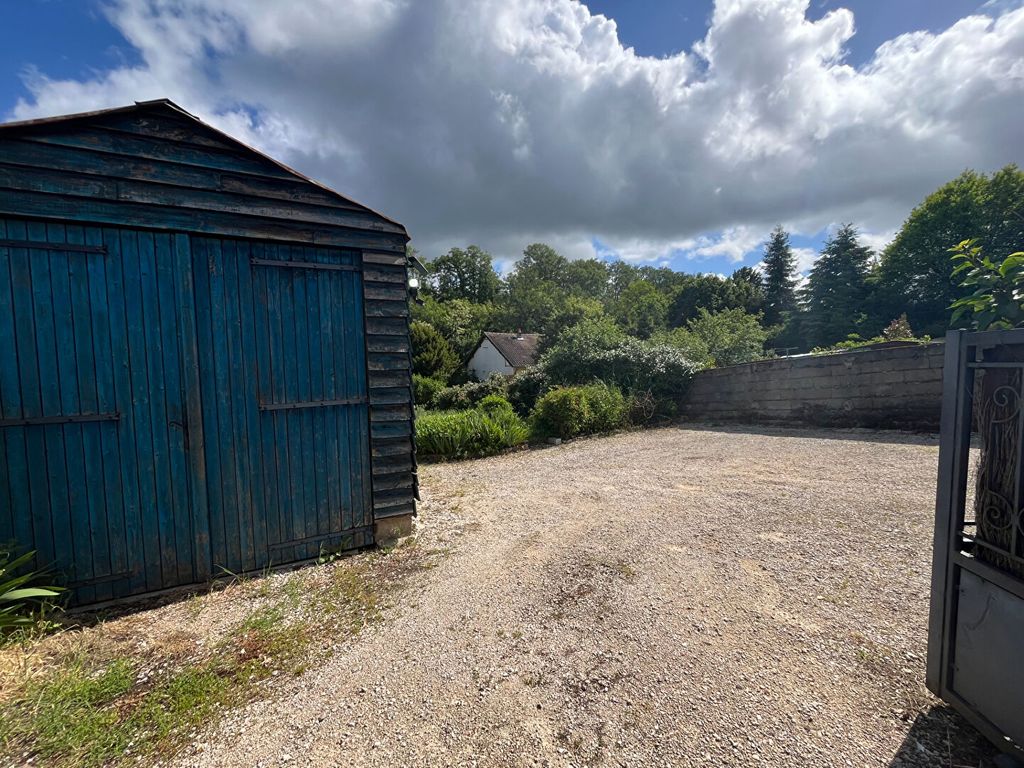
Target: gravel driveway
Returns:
[[674, 597]]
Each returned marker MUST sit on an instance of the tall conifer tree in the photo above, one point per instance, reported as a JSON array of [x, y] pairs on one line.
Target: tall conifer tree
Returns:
[[779, 278], [837, 289]]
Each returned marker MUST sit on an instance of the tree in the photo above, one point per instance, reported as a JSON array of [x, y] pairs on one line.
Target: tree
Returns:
[[750, 276], [431, 355], [730, 337], [573, 311], [461, 322], [837, 289], [641, 310], [540, 264], [714, 294], [916, 273], [585, 277], [464, 274], [779, 278]]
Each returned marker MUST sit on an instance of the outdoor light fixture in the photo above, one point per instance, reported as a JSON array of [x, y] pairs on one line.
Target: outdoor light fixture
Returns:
[[415, 270]]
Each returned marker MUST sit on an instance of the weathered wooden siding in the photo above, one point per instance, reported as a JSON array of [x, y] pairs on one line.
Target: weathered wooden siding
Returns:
[[388, 357], [167, 178]]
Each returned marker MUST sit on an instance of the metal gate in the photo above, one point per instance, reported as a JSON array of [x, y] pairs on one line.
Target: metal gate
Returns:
[[976, 625]]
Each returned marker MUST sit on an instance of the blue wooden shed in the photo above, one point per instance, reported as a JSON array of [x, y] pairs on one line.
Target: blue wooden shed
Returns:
[[204, 356]]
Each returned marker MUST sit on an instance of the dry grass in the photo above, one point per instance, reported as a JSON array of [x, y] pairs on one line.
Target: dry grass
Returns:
[[121, 688]]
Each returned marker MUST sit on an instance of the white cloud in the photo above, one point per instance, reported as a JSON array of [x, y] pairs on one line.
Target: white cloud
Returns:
[[502, 123], [805, 258]]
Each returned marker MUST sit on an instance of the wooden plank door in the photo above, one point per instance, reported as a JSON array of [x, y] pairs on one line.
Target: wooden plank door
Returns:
[[284, 393], [95, 423]]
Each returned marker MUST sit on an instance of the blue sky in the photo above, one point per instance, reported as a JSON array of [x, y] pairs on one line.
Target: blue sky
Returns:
[[486, 151], [665, 27]]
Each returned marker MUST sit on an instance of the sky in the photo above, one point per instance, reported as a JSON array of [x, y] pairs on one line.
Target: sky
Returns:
[[666, 132]]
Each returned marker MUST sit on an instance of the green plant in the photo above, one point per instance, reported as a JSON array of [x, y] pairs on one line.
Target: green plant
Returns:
[[526, 386], [562, 412], [468, 395], [432, 355], [731, 336], [997, 300], [597, 350], [22, 598], [494, 403], [425, 388], [469, 433], [571, 411]]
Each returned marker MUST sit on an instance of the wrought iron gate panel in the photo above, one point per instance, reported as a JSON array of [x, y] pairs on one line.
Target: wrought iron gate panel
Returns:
[[976, 623]]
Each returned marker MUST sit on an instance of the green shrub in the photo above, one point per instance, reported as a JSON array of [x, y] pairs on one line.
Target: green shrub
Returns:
[[595, 350], [570, 359], [425, 389], [469, 433], [639, 367], [432, 355], [572, 411], [731, 336], [526, 387], [609, 409], [465, 396], [494, 403]]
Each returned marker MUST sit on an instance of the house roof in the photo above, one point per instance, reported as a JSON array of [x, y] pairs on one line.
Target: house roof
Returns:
[[169, 107], [519, 349]]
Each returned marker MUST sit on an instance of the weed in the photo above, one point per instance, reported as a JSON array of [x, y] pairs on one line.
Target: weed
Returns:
[[94, 709], [69, 713]]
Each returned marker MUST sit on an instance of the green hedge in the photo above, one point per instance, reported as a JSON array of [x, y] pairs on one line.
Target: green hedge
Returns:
[[483, 431], [425, 389], [572, 411], [469, 395]]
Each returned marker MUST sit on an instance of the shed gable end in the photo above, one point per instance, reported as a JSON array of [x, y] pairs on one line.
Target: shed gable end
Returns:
[[155, 166]]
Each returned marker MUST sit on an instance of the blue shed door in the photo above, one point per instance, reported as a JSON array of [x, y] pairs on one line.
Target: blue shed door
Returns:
[[284, 399], [95, 361]]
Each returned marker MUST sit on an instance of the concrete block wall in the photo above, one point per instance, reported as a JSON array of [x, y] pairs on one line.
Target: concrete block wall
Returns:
[[891, 388]]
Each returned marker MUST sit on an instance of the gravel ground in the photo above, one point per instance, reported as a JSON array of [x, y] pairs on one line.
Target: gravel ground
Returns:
[[674, 597]]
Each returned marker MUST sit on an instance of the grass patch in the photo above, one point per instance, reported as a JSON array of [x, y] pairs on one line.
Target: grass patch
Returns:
[[94, 708]]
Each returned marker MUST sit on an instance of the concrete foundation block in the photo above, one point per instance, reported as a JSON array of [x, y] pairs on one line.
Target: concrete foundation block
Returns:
[[389, 531]]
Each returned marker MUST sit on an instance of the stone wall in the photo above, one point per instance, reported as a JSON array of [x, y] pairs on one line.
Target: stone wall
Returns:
[[899, 387]]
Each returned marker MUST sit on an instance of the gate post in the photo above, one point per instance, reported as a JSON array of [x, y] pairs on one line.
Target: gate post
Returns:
[[953, 412]]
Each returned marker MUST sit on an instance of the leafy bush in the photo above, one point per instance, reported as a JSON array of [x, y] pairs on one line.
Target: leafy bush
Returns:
[[599, 350], [21, 597], [425, 389], [470, 394], [571, 411], [636, 367], [494, 403], [526, 387], [470, 433], [997, 300], [432, 355], [731, 336], [692, 346], [570, 359]]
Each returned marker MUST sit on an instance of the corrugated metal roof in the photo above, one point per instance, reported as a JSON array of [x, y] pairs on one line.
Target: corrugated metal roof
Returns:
[[519, 349], [167, 104]]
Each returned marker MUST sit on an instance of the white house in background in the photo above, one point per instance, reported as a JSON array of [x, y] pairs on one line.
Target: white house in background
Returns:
[[504, 353]]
